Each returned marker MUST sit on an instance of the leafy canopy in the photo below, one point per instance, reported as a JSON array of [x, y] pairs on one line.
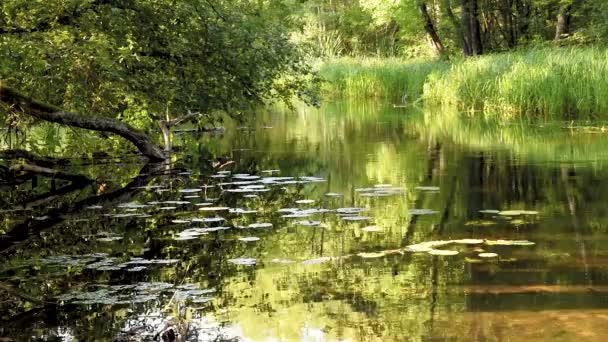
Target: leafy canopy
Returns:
[[140, 58]]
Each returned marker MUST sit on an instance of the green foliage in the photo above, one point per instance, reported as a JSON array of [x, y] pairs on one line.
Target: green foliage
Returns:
[[561, 82], [139, 58], [392, 28], [547, 82], [379, 78]]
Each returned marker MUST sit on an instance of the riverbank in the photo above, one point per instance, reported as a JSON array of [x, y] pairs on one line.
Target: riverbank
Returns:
[[550, 82]]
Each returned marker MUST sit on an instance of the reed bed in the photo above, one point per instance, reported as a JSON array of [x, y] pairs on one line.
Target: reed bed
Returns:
[[550, 82]]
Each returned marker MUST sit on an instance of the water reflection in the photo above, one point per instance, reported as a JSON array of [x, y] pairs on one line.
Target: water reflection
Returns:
[[320, 228]]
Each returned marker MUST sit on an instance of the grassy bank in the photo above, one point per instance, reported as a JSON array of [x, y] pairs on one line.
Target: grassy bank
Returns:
[[558, 82]]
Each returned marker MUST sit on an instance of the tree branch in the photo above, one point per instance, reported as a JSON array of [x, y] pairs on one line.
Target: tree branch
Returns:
[[50, 113]]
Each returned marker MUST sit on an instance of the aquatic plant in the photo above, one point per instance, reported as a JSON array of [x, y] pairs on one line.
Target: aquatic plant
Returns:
[[545, 82]]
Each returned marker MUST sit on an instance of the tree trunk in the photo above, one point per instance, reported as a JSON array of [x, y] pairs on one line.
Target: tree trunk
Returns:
[[471, 28], [50, 113], [447, 6], [563, 21], [429, 27]]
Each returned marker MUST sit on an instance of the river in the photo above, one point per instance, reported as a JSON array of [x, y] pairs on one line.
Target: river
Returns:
[[352, 222]]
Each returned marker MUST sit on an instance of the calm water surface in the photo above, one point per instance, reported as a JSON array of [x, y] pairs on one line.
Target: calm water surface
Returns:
[[355, 222]]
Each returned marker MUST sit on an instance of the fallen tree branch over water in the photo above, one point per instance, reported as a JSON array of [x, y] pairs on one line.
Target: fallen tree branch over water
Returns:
[[43, 111]]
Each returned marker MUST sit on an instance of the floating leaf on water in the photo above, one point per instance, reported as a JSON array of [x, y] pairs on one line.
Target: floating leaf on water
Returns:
[[288, 210], [213, 229], [350, 210], [428, 188], [246, 177], [176, 202], [518, 222], [209, 219], [260, 225], [372, 229], [356, 218], [517, 212], [136, 269], [333, 194], [213, 208], [427, 246], [312, 179], [372, 255], [421, 212], [241, 211], [249, 238], [417, 248], [189, 191], [297, 215], [186, 237], [489, 211], [243, 261], [480, 223], [110, 239], [510, 242], [308, 223], [132, 205], [442, 252], [316, 261], [487, 255], [469, 241], [305, 201]]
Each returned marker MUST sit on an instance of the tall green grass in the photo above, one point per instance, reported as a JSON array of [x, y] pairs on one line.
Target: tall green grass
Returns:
[[376, 78], [556, 82]]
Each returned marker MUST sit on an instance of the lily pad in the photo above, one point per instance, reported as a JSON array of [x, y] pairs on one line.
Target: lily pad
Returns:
[[421, 212], [372, 255], [243, 261], [442, 252], [249, 238], [510, 242], [213, 208], [428, 188], [260, 225], [487, 255], [469, 241], [517, 212]]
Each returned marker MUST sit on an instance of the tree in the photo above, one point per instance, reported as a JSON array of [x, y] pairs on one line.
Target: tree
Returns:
[[143, 61], [429, 27]]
